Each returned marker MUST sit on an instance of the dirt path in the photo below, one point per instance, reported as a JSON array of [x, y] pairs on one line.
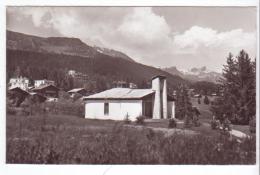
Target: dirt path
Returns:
[[166, 131], [233, 132], [238, 133]]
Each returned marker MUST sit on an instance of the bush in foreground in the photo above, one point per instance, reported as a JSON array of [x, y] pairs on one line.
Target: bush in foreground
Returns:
[[172, 123], [214, 124], [140, 120]]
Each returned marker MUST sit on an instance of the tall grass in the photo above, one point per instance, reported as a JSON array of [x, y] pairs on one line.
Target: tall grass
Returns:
[[67, 107], [59, 142]]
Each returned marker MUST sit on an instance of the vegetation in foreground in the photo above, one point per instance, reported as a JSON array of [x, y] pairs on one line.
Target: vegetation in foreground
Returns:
[[60, 139]]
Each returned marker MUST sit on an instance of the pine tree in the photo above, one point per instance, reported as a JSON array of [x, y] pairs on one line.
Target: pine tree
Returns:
[[183, 105], [206, 100], [238, 101], [199, 100]]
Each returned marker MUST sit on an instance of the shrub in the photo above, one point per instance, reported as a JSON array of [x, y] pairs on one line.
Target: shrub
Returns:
[[206, 100], [140, 120], [198, 100], [227, 124], [172, 123], [214, 124], [196, 122], [187, 122]]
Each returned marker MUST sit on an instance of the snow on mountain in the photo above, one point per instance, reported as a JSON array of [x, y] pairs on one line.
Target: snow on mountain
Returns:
[[196, 74], [112, 53]]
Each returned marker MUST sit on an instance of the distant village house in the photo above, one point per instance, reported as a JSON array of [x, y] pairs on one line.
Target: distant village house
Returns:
[[132, 85], [51, 92], [43, 90], [72, 73], [38, 83], [124, 84], [78, 75], [79, 91], [21, 82]]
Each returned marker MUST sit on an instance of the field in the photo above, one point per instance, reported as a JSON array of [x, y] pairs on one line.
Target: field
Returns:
[[66, 139]]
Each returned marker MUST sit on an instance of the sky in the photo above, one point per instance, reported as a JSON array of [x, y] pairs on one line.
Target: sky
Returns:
[[184, 37]]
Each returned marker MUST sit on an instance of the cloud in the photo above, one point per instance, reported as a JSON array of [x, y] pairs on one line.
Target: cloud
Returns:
[[196, 38], [82, 22], [206, 46], [139, 32], [142, 25], [144, 35], [37, 16]]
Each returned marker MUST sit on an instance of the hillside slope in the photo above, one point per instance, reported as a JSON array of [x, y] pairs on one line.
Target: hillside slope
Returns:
[[100, 67], [59, 45]]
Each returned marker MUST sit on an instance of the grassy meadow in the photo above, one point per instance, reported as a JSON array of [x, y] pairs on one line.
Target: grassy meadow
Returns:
[[66, 139]]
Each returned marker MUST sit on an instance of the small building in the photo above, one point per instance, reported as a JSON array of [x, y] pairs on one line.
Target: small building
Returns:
[[20, 82], [132, 86], [117, 103], [80, 91], [78, 75], [51, 92], [72, 73], [214, 94], [38, 83], [124, 84], [120, 84]]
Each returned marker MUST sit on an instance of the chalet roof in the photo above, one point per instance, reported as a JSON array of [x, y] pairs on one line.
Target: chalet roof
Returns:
[[45, 86], [17, 89], [44, 80], [36, 94], [121, 93], [76, 90]]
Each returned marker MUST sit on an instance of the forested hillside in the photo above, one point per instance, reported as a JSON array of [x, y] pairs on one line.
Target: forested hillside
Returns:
[[102, 70]]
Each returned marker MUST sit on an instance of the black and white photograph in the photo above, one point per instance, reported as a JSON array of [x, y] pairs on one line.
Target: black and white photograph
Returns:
[[131, 85]]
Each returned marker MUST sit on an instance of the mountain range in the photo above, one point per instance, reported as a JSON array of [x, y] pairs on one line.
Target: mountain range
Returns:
[[59, 45], [52, 57], [196, 74]]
